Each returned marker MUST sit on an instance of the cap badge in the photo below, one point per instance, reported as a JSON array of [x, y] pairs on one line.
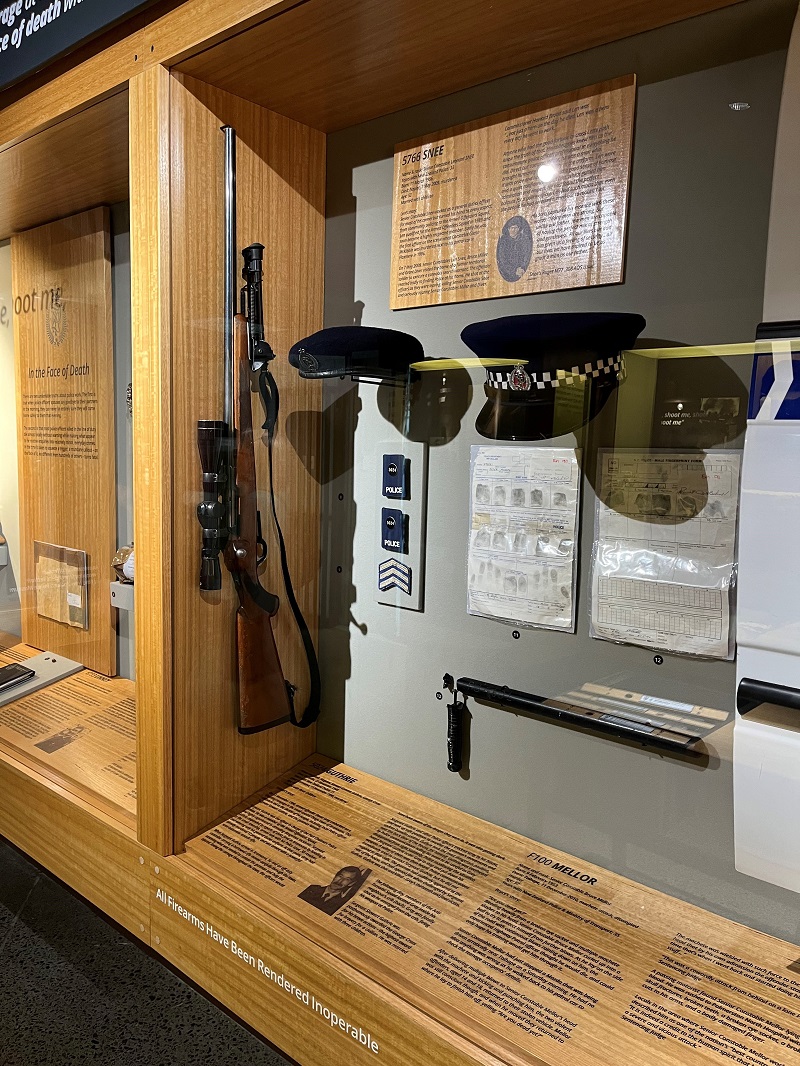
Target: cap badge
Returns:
[[308, 362], [519, 379]]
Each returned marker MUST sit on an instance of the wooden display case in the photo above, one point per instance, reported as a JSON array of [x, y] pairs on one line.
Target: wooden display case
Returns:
[[80, 733], [137, 117]]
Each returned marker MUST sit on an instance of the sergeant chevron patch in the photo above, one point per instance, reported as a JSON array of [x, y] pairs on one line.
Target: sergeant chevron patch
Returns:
[[392, 574]]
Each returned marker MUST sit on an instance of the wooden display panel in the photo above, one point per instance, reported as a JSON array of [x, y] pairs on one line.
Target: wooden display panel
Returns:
[[530, 200], [81, 732], [280, 202], [530, 953], [152, 431], [65, 422]]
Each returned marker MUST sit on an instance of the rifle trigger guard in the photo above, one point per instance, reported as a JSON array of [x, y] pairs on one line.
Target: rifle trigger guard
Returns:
[[267, 601]]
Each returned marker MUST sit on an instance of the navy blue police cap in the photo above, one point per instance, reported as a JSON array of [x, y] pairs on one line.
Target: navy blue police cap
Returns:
[[358, 351], [547, 341], [549, 350]]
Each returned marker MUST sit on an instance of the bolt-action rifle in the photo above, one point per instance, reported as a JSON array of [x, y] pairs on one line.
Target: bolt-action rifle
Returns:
[[229, 514]]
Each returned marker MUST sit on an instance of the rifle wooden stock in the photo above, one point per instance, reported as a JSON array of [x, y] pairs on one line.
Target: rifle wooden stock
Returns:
[[263, 695]]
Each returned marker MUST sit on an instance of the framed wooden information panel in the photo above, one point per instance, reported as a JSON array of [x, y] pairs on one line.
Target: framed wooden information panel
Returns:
[[65, 430], [529, 200]]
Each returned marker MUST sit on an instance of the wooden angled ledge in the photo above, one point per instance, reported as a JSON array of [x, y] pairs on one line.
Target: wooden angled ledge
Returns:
[[517, 951], [79, 733], [346, 919], [193, 916]]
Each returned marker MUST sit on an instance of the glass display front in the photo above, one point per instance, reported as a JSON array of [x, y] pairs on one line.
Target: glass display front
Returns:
[[465, 461], [542, 523]]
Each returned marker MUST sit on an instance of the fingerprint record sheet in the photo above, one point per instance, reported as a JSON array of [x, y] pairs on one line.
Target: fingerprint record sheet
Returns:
[[523, 535], [665, 541]]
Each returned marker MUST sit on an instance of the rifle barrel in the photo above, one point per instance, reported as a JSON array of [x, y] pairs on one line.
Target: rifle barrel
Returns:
[[230, 283]]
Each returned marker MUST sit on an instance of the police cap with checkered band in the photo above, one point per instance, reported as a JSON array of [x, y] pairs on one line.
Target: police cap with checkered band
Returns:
[[578, 353]]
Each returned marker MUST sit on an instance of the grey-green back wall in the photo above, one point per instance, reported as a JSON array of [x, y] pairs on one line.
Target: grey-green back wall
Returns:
[[699, 210]]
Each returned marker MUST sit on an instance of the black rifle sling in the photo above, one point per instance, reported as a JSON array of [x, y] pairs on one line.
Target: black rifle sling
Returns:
[[271, 400]]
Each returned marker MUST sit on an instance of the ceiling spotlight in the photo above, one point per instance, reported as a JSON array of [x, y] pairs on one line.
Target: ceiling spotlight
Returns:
[[546, 172], [739, 105]]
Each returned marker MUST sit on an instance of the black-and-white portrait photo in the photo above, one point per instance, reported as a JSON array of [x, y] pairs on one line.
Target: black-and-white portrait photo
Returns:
[[345, 884], [514, 249]]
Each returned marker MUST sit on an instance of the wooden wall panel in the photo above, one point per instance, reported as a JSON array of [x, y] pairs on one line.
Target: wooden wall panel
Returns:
[[152, 428], [280, 192], [94, 854], [65, 422]]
